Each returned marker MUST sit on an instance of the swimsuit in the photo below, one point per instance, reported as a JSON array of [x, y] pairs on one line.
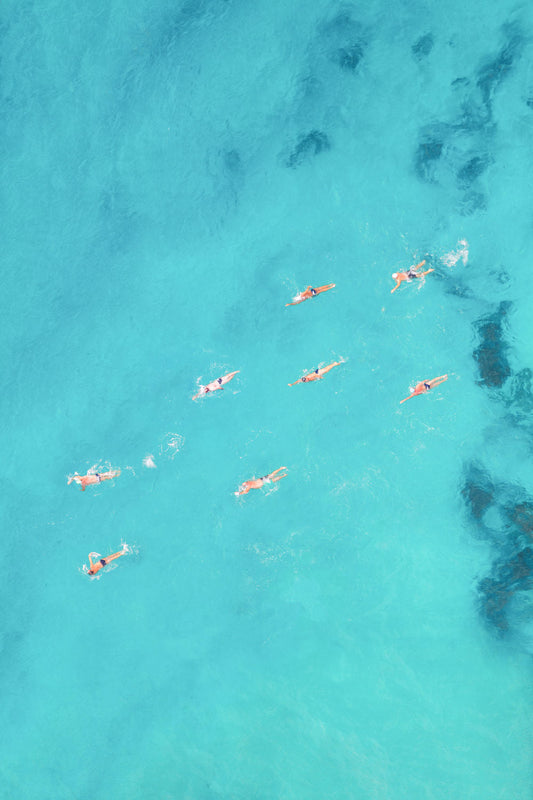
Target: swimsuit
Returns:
[[427, 386], [313, 292], [103, 562]]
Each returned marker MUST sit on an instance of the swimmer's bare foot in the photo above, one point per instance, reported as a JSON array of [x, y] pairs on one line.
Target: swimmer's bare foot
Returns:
[[217, 384]]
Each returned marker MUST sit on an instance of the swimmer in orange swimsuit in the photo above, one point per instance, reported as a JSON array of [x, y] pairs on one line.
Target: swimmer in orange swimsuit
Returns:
[[214, 385], [93, 477], [317, 374], [425, 386], [411, 273], [103, 562], [310, 292], [257, 483]]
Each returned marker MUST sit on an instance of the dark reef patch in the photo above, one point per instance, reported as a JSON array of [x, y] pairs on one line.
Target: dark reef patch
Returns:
[[308, 146], [491, 355], [427, 154], [349, 57], [511, 576], [494, 596], [494, 71], [478, 491], [423, 46], [521, 392], [470, 171]]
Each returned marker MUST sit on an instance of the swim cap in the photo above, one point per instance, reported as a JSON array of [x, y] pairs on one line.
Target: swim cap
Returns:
[[394, 275]]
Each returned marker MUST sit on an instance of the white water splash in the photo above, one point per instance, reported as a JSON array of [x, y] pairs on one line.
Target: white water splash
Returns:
[[171, 445], [459, 254], [148, 461]]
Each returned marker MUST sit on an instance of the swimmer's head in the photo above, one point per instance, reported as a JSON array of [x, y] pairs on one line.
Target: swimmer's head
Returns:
[[394, 275]]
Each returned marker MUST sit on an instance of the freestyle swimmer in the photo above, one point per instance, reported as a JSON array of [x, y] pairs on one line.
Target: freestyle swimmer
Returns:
[[257, 483], [425, 386], [93, 477], [411, 273], [310, 292], [317, 374], [214, 385], [103, 562]]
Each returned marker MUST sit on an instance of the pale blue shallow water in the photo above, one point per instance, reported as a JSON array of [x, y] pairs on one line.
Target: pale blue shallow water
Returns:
[[172, 174]]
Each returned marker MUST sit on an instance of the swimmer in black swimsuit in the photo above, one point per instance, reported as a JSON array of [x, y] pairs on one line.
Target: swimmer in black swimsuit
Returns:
[[410, 275], [103, 562], [216, 384], [93, 477], [425, 386], [257, 483], [317, 374], [310, 292]]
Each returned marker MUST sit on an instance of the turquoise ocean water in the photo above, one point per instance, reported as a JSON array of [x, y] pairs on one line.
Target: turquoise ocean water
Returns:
[[172, 174]]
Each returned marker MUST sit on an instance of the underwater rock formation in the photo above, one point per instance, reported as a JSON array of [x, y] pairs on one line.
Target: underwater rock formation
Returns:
[[491, 355], [308, 146]]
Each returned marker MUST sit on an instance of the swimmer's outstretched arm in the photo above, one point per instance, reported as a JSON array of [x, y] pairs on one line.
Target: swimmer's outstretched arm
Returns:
[[413, 394], [300, 297], [398, 284]]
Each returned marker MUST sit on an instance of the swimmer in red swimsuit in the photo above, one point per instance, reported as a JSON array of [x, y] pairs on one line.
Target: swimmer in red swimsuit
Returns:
[[411, 273], [257, 483], [310, 292], [317, 374], [103, 562], [214, 385], [425, 386], [93, 477]]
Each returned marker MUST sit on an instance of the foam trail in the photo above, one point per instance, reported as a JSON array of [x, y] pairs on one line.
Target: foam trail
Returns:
[[459, 254], [148, 461]]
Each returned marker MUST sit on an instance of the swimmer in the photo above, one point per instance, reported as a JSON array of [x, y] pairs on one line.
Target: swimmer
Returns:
[[425, 386], [214, 385], [317, 374], [411, 273], [310, 292], [257, 483], [93, 477], [103, 562]]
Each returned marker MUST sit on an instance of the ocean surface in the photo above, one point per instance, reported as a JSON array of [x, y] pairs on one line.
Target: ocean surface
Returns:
[[174, 173]]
